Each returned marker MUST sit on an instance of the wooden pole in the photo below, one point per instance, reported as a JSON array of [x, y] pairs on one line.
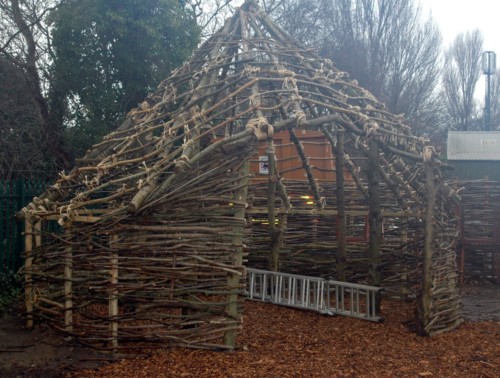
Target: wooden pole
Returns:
[[425, 297], [274, 232], [404, 250], [347, 162], [374, 213], [374, 216], [37, 230], [341, 217], [307, 167], [68, 283], [28, 265], [233, 279], [113, 297]]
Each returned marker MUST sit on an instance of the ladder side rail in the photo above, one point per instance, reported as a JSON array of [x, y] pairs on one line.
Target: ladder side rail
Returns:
[[368, 302], [357, 300], [307, 290], [319, 295], [288, 291], [337, 298], [264, 286], [251, 285], [373, 303], [351, 293], [279, 287], [328, 294], [293, 291]]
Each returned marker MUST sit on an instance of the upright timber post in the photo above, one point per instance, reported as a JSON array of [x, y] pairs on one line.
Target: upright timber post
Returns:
[[233, 279], [37, 230], [274, 232], [28, 278], [341, 217], [68, 282], [32, 232], [113, 296], [405, 289], [374, 216], [425, 297]]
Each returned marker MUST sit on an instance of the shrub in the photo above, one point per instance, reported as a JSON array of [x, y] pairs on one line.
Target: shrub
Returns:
[[10, 292]]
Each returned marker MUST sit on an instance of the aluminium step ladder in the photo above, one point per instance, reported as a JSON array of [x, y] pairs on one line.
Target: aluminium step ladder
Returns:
[[312, 293]]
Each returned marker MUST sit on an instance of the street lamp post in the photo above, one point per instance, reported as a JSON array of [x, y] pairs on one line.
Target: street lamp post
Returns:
[[489, 67]]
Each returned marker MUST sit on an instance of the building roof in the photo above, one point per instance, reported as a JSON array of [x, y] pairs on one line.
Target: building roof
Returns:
[[473, 145]]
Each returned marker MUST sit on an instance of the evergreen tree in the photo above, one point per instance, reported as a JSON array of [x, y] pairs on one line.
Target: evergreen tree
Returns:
[[110, 53]]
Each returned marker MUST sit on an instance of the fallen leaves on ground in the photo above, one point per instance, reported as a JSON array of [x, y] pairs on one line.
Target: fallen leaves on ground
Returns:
[[283, 342]]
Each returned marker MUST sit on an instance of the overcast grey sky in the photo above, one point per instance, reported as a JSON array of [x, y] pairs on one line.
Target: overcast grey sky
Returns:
[[460, 16]]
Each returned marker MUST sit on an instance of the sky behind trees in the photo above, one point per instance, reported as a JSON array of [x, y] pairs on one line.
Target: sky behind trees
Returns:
[[460, 16]]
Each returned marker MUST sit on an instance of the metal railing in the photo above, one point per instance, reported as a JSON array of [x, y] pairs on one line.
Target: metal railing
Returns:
[[13, 196], [313, 293]]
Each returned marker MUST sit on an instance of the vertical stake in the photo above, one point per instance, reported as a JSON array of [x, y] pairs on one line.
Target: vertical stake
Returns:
[[113, 297], [28, 263], [374, 217], [274, 232], [68, 284], [38, 233], [341, 216], [233, 279], [425, 297]]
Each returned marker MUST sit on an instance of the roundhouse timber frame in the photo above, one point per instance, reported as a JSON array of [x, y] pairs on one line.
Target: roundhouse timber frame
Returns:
[[157, 222]]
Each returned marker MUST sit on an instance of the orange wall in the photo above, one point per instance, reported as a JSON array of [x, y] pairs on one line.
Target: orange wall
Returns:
[[315, 146]]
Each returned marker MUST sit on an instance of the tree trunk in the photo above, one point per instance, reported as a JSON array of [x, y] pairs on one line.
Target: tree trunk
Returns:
[[53, 138]]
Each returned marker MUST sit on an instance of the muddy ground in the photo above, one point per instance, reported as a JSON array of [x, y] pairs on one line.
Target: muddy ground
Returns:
[[481, 303], [42, 352]]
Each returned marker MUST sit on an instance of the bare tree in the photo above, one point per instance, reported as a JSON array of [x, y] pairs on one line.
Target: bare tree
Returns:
[[384, 44], [22, 153], [25, 43], [210, 15], [461, 73]]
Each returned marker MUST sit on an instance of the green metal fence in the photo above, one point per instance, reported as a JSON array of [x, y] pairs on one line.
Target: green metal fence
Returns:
[[13, 196]]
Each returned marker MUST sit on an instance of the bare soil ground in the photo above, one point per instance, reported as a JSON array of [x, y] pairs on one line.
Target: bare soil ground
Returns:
[[481, 302], [41, 352], [282, 342]]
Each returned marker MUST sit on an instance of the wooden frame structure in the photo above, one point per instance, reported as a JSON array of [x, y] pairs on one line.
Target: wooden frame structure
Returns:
[[158, 220]]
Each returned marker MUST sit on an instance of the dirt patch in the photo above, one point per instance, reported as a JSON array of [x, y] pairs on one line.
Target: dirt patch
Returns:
[[481, 302], [41, 352]]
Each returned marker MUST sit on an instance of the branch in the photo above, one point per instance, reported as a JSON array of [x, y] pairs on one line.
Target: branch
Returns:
[[26, 26]]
